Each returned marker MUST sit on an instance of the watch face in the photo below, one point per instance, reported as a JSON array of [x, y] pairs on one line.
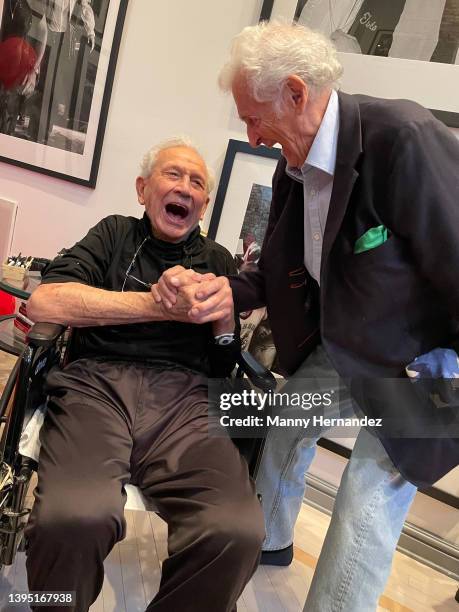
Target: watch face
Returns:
[[224, 339]]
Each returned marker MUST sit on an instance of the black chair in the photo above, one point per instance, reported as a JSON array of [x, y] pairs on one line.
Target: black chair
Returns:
[[24, 393]]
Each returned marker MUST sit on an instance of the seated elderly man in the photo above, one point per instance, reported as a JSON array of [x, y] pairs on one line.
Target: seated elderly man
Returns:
[[132, 405]]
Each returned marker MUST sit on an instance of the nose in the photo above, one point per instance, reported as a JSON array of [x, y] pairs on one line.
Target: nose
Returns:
[[253, 136], [184, 186]]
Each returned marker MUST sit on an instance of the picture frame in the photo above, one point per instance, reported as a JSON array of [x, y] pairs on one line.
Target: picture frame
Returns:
[[379, 46], [54, 122], [386, 77], [243, 167]]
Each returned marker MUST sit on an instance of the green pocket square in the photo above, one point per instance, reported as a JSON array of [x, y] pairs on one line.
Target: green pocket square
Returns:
[[371, 239]]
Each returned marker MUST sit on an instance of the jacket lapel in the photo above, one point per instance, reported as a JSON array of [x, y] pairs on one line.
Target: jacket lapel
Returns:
[[288, 234], [348, 152]]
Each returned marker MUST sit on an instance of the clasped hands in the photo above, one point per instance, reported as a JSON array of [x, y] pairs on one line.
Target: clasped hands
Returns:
[[185, 295]]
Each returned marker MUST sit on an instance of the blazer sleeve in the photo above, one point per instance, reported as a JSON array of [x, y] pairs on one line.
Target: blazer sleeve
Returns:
[[424, 202]]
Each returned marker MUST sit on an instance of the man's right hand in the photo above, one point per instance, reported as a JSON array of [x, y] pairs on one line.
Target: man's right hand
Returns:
[[178, 312], [167, 288], [29, 83], [203, 298]]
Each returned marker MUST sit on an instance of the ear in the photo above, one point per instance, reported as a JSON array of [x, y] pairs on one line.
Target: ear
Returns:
[[297, 92], [140, 187], [203, 209]]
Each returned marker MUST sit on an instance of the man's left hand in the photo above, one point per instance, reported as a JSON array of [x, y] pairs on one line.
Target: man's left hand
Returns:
[[210, 299], [174, 279], [214, 301]]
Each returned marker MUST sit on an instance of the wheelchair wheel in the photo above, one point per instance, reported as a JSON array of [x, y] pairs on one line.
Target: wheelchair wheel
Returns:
[[13, 514]]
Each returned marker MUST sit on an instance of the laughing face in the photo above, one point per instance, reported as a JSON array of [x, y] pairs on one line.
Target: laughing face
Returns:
[[175, 194]]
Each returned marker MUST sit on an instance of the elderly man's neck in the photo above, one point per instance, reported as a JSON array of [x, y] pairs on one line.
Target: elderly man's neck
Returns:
[[310, 122], [173, 240]]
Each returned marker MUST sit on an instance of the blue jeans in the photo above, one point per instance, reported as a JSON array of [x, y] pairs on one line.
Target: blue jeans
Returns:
[[370, 508]]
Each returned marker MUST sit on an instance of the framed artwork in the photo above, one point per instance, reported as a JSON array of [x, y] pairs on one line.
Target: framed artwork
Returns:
[[244, 195], [57, 64], [386, 49]]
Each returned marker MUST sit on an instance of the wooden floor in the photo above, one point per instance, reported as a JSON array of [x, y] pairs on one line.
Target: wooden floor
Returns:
[[133, 569]]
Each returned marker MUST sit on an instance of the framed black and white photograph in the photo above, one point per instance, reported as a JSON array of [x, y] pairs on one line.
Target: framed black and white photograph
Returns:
[[392, 49], [57, 64]]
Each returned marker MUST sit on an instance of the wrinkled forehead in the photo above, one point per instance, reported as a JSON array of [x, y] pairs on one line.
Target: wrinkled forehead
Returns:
[[241, 90], [182, 157], [245, 101]]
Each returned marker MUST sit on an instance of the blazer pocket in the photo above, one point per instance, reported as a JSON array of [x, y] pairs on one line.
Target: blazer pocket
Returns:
[[297, 272], [297, 277], [371, 239], [390, 252]]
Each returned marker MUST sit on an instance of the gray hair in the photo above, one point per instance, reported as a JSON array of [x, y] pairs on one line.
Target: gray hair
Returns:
[[266, 54], [151, 157]]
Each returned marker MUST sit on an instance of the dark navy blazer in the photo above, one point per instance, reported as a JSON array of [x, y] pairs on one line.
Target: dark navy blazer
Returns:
[[375, 311]]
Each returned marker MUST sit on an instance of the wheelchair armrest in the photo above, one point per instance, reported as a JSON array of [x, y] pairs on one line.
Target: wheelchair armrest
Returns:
[[258, 375], [44, 334]]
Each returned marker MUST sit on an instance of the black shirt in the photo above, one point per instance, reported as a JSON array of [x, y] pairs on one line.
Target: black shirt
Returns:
[[119, 254]]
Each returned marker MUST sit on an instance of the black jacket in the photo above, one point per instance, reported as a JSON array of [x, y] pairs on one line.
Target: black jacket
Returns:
[[375, 311]]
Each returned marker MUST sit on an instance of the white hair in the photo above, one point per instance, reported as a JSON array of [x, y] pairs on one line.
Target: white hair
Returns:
[[266, 54], [151, 157]]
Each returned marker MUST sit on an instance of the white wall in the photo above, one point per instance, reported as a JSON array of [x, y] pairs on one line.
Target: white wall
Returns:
[[165, 83]]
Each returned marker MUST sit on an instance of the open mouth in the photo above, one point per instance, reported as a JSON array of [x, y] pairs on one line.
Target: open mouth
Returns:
[[177, 212]]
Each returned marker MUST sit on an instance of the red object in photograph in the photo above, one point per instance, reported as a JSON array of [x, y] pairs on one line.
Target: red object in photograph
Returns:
[[17, 59], [7, 304]]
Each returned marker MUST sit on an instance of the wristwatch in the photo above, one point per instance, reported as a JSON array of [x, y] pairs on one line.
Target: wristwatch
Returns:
[[224, 339]]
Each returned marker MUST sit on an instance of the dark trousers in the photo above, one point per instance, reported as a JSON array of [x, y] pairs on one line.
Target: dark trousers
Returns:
[[111, 423]]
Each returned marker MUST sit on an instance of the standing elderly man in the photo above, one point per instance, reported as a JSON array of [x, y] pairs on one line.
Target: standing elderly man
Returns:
[[132, 405], [355, 283]]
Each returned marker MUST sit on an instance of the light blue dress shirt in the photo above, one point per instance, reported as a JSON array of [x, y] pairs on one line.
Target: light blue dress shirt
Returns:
[[317, 175]]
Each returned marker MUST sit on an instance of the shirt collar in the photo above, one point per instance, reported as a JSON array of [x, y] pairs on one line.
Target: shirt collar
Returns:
[[322, 154]]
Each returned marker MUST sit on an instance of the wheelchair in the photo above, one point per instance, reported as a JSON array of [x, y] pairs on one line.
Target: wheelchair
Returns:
[[24, 392]]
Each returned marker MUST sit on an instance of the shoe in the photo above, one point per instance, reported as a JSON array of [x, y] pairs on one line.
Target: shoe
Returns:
[[282, 557]]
